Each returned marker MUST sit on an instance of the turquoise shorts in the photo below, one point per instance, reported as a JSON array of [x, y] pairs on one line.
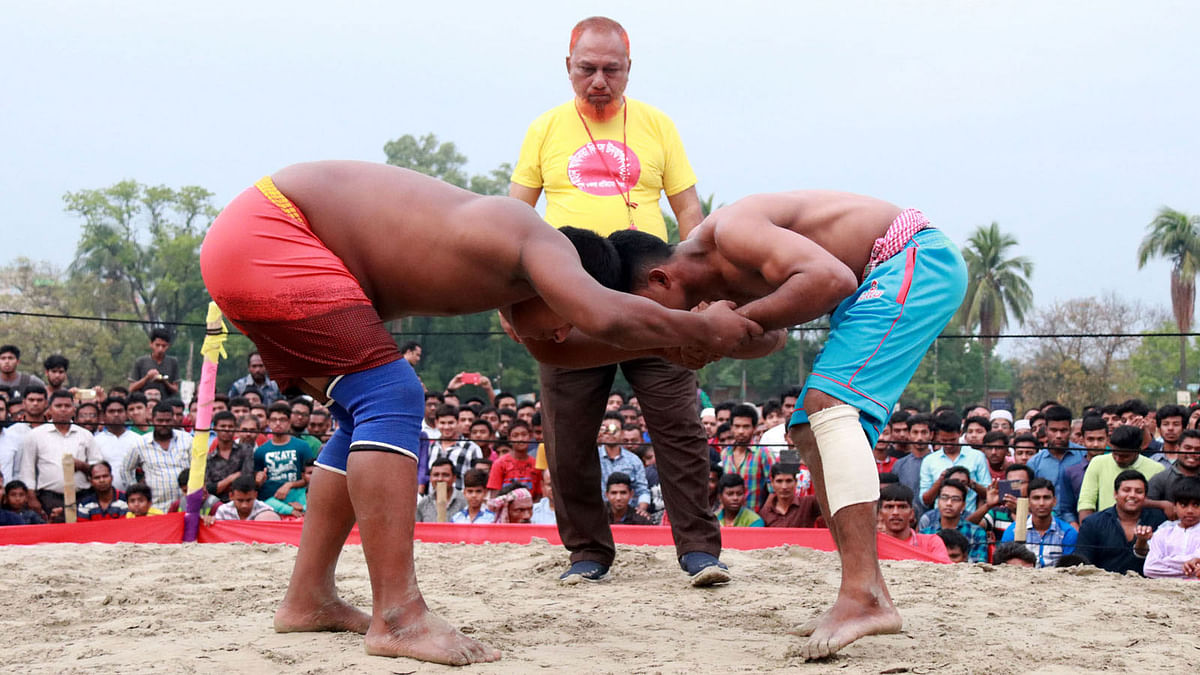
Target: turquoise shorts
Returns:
[[878, 335]]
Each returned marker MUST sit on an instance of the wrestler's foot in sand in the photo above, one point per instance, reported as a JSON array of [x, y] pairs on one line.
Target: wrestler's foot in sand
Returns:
[[849, 619], [333, 615], [805, 629], [427, 638]]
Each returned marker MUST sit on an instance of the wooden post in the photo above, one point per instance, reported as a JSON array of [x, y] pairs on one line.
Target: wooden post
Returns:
[[443, 500], [68, 465], [1020, 518]]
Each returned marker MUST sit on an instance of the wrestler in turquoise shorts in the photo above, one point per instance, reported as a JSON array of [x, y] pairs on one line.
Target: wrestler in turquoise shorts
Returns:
[[879, 334]]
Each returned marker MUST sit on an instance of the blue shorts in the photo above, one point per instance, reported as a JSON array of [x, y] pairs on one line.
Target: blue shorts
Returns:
[[378, 409], [878, 335]]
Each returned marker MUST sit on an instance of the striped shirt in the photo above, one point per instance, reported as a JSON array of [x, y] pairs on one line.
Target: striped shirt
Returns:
[[754, 468], [931, 523], [1059, 540], [462, 453], [160, 467]]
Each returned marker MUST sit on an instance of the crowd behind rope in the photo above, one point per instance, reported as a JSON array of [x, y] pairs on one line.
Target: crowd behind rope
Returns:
[[1117, 487]]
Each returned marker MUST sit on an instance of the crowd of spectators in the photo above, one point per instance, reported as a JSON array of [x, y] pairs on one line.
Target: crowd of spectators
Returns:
[[1117, 487]]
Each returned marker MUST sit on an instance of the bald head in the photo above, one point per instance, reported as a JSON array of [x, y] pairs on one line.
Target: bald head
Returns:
[[600, 24]]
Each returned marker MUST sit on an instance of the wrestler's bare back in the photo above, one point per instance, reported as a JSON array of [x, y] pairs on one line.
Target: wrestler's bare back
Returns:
[[416, 244], [778, 279], [843, 223]]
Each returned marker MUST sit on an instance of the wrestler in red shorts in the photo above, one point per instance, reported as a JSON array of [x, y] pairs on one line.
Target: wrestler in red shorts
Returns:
[[310, 262]]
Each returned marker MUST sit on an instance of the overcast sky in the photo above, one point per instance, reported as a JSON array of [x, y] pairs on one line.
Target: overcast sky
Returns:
[[1069, 123]]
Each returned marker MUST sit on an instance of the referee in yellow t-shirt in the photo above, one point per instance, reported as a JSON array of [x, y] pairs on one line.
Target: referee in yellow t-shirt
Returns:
[[603, 161]]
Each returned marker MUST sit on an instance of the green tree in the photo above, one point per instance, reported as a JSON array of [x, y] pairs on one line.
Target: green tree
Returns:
[[997, 287], [142, 242], [1084, 370], [100, 353], [766, 377], [425, 155], [950, 372], [460, 343], [1175, 235], [443, 161], [1153, 362]]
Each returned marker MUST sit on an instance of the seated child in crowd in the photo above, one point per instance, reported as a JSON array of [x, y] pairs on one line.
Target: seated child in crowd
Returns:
[[732, 492], [1175, 546], [139, 499], [475, 492], [244, 503], [16, 501]]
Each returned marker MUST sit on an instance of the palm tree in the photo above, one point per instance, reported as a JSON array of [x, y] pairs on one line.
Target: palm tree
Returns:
[[997, 287], [1176, 236]]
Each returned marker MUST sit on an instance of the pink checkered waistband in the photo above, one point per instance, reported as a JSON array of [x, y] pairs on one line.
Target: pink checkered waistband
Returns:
[[899, 233]]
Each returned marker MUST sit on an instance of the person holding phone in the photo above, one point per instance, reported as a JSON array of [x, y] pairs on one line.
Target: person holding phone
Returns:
[[474, 379], [158, 370], [1046, 536]]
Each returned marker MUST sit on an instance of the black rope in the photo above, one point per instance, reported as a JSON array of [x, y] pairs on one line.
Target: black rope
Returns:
[[794, 329]]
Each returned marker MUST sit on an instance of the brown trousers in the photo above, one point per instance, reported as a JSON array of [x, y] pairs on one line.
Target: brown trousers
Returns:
[[573, 404]]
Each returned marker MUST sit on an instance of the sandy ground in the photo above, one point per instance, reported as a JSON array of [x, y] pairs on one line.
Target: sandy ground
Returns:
[[207, 609]]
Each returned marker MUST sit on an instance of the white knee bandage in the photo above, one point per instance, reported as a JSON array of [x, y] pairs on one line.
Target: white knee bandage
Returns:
[[846, 461]]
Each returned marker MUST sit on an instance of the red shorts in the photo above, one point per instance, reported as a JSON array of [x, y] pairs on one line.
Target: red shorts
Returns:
[[280, 285]]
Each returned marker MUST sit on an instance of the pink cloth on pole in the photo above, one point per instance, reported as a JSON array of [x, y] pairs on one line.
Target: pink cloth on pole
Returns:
[[204, 395]]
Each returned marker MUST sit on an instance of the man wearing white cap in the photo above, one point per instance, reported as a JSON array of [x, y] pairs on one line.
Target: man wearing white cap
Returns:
[[1002, 420], [708, 419]]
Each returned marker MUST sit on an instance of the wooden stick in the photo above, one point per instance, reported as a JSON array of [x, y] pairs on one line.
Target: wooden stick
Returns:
[[1019, 521], [68, 465], [443, 501]]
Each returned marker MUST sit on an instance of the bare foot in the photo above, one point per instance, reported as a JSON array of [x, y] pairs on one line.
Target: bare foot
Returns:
[[848, 620], [805, 629], [335, 615], [426, 637]]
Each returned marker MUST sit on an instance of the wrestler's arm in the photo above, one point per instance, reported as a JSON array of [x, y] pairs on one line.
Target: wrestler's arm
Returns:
[[809, 281], [583, 351], [621, 319]]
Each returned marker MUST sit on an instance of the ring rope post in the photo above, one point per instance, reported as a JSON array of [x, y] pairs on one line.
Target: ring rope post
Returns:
[[68, 466], [212, 351], [1020, 521]]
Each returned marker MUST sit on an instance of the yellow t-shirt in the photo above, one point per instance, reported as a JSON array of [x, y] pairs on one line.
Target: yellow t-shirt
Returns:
[[558, 157]]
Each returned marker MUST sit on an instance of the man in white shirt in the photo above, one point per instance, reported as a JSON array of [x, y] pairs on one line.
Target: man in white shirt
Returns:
[[10, 446], [115, 440], [42, 453]]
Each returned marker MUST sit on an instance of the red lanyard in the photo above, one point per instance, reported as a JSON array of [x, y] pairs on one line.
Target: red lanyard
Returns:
[[619, 182]]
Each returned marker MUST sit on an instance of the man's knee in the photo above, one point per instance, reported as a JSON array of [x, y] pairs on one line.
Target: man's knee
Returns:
[[849, 469]]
